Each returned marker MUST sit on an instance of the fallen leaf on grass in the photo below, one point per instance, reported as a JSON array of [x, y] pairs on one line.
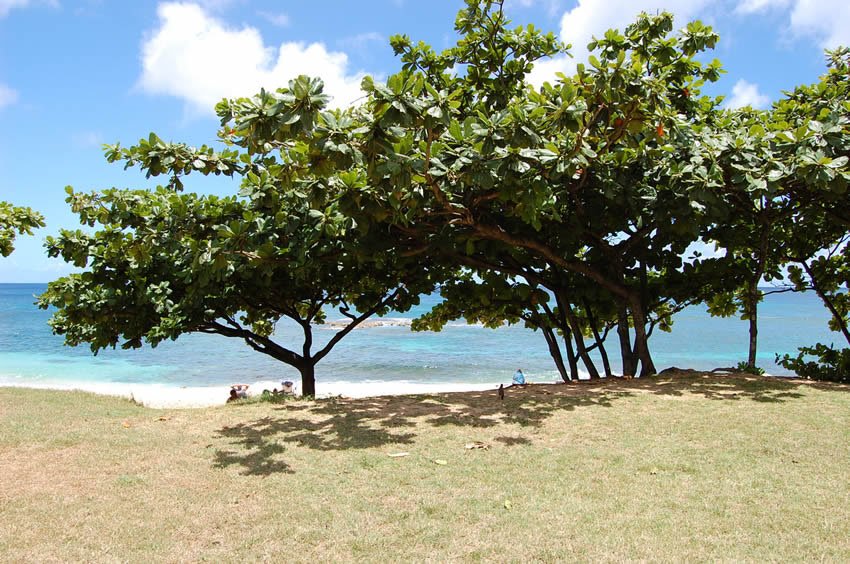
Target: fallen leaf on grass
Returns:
[[163, 418], [508, 504], [476, 444], [398, 454], [125, 424], [440, 461]]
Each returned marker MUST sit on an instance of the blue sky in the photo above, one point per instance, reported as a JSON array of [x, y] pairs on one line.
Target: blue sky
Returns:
[[77, 74]]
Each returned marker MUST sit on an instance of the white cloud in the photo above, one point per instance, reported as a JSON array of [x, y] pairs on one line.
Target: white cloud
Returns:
[[755, 6], [7, 96], [546, 69], [196, 57], [279, 19], [746, 94], [594, 17], [825, 20]]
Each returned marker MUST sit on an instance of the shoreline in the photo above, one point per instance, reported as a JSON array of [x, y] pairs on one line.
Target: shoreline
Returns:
[[165, 396]]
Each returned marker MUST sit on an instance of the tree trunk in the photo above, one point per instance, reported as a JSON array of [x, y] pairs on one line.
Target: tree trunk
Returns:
[[600, 344], [629, 364], [555, 352], [752, 298], [606, 364], [308, 378], [647, 367], [571, 355], [575, 327]]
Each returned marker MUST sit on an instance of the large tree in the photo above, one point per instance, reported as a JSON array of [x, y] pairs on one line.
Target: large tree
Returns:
[[595, 176], [786, 178], [160, 263]]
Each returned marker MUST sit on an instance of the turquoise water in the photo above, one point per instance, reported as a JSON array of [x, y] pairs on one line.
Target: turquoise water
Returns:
[[30, 353]]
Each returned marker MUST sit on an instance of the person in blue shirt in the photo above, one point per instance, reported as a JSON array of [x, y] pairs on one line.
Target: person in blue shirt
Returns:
[[519, 378]]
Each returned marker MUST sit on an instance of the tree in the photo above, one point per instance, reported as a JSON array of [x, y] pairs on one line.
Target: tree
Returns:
[[162, 263], [595, 176], [786, 184], [16, 221], [754, 230]]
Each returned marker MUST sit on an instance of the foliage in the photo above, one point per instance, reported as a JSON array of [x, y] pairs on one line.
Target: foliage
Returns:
[[786, 188], [592, 179], [750, 368], [16, 221], [163, 263], [568, 207], [830, 364]]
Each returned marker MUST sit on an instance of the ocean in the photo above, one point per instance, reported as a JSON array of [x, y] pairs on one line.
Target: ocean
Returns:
[[381, 357]]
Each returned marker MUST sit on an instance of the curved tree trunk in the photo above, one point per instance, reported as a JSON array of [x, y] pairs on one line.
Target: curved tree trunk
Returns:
[[827, 301], [600, 343], [555, 352]]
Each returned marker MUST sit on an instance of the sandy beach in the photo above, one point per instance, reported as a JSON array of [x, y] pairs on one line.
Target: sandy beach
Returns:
[[162, 396]]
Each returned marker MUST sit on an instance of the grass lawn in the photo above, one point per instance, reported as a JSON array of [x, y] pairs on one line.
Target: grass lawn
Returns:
[[683, 467]]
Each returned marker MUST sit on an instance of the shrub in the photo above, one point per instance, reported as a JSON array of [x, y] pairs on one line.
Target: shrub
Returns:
[[831, 365]]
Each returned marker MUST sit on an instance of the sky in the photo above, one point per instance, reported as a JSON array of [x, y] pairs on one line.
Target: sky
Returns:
[[77, 74]]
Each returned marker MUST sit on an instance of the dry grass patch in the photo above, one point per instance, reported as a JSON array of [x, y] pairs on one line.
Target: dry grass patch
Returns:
[[689, 466]]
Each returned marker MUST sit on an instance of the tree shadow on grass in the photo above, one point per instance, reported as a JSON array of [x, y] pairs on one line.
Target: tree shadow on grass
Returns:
[[261, 458], [343, 424], [735, 387]]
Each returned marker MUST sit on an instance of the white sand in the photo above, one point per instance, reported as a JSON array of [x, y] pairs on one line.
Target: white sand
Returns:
[[162, 396]]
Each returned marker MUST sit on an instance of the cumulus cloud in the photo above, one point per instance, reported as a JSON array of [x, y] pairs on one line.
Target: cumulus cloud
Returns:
[[594, 17], [194, 56], [7, 96], [825, 20], [746, 94]]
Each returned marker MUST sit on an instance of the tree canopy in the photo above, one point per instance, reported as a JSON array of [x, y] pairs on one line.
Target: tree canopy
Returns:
[[162, 263], [571, 207]]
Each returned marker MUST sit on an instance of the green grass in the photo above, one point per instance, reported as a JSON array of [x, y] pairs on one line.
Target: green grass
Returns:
[[690, 467]]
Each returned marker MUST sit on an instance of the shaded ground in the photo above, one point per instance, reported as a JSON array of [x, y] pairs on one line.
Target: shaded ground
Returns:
[[345, 423]]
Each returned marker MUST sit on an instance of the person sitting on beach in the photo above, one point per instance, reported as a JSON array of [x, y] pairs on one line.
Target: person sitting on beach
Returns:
[[519, 378], [239, 391], [287, 387]]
